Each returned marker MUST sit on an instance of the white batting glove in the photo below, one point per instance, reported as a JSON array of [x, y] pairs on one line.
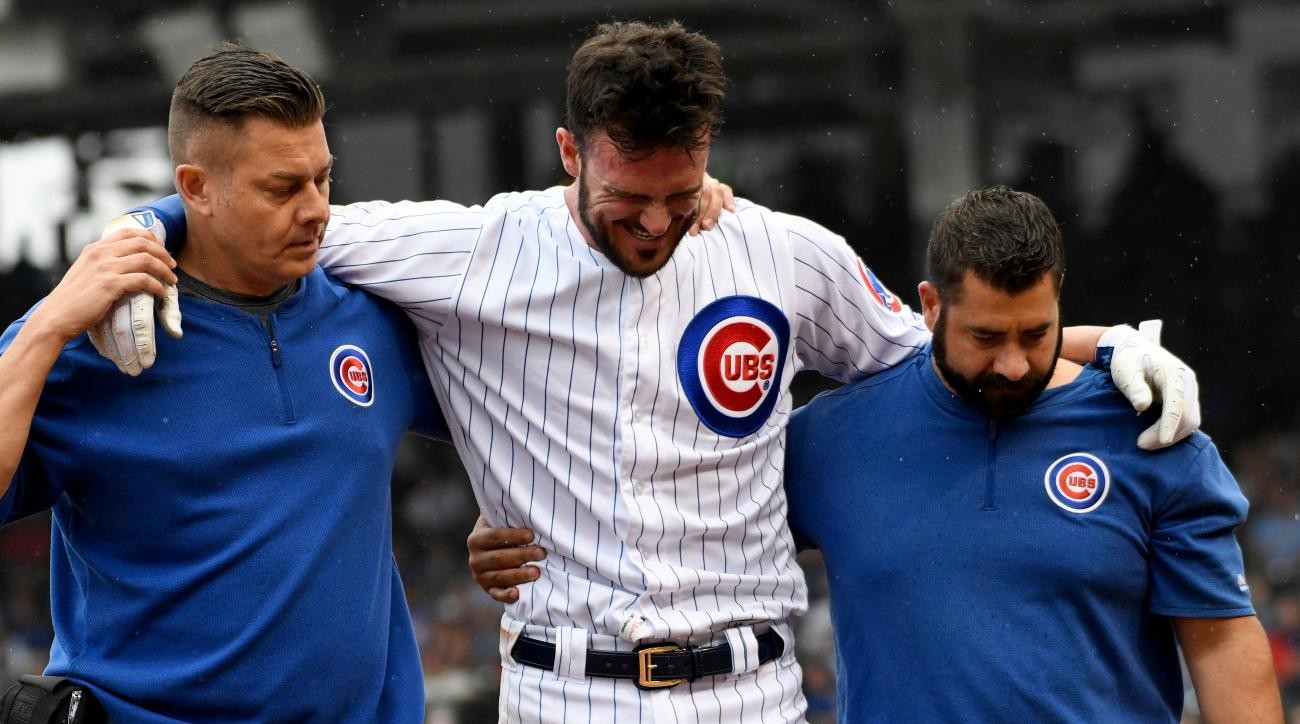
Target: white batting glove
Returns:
[[1143, 371], [125, 336]]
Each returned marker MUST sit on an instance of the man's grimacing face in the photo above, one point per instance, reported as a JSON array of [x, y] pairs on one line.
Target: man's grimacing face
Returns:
[[997, 350], [636, 209]]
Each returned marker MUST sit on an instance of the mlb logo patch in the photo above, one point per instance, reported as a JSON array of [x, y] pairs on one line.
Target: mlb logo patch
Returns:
[[352, 376], [1077, 482], [730, 361]]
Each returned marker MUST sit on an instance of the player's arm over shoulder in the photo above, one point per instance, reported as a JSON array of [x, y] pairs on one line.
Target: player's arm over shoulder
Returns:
[[849, 323], [412, 253], [435, 225]]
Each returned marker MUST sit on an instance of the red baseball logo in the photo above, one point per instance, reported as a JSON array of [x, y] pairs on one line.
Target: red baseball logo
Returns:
[[737, 362], [354, 375], [350, 372], [1077, 481]]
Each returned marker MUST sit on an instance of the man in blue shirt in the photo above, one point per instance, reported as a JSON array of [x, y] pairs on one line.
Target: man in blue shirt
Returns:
[[997, 547], [222, 542]]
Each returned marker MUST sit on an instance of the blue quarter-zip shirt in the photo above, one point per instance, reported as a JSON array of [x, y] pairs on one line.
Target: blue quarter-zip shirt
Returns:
[[222, 525], [1023, 570]]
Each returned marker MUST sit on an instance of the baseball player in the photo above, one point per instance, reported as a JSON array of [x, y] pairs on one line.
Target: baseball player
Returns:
[[623, 390], [997, 548]]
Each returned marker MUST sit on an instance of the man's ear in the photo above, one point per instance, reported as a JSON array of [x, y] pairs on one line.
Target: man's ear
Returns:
[[930, 303], [196, 185], [569, 154]]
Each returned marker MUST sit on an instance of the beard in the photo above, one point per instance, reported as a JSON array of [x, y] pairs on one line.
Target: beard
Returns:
[[997, 397], [631, 262]]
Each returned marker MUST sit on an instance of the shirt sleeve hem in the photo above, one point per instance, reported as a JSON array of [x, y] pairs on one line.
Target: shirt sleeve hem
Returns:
[[1202, 612]]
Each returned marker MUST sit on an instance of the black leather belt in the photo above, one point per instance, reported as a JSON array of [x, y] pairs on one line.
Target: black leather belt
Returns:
[[651, 666]]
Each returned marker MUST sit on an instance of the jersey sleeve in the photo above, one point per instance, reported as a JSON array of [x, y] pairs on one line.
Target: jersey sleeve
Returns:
[[1196, 563], [411, 253], [849, 325], [33, 488]]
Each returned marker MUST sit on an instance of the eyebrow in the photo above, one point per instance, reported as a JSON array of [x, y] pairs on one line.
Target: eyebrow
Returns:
[[291, 176], [610, 188], [976, 329]]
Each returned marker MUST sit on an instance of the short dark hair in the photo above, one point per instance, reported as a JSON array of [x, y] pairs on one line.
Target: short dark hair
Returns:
[[1006, 238], [647, 86], [235, 83]]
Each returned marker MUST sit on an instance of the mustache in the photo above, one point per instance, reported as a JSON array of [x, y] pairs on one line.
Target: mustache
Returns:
[[998, 383], [683, 222]]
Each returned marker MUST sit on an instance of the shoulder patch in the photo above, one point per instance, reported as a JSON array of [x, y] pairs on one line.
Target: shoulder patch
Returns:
[[352, 375], [878, 291], [730, 360], [1078, 482]]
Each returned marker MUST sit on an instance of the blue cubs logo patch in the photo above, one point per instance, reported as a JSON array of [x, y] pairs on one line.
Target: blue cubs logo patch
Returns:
[[1077, 482], [730, 361], [878, 291], [351, 374]]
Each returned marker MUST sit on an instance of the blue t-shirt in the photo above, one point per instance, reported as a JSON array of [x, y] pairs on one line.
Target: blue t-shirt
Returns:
[[1013, 571], [222, 524]]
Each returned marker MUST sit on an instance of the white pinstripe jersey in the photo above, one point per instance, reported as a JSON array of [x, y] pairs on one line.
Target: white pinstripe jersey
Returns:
[[560, 379]]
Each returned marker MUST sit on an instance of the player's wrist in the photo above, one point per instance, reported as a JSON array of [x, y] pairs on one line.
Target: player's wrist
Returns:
[[45, 329], [37, 345], [1112, 339]]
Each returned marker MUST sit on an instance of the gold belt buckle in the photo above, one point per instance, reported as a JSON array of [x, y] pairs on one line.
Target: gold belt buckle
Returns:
[[644, 667]]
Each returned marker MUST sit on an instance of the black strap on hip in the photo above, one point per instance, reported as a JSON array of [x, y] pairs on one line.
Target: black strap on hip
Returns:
[[50, 700]]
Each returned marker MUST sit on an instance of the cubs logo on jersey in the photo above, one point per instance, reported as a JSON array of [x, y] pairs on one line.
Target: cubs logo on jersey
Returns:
[[351, 374], [879, 292], [730, 361], [1077, 482]]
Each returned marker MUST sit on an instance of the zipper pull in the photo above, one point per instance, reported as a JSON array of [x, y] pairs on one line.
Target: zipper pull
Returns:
[[275, 346]]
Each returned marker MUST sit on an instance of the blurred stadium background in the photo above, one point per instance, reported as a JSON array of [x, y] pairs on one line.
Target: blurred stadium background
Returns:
[[1165, 134]]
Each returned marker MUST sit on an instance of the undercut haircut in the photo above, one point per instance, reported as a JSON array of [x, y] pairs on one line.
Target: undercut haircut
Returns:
[[1007, 239], [647, 86], [237, 82]]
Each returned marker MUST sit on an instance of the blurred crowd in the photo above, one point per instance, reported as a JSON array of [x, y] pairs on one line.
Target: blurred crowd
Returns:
[[1228, 287], [1269, 471]]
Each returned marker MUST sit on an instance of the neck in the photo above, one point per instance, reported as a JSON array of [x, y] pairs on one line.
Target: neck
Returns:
[[201, 259], [1064, 373]]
